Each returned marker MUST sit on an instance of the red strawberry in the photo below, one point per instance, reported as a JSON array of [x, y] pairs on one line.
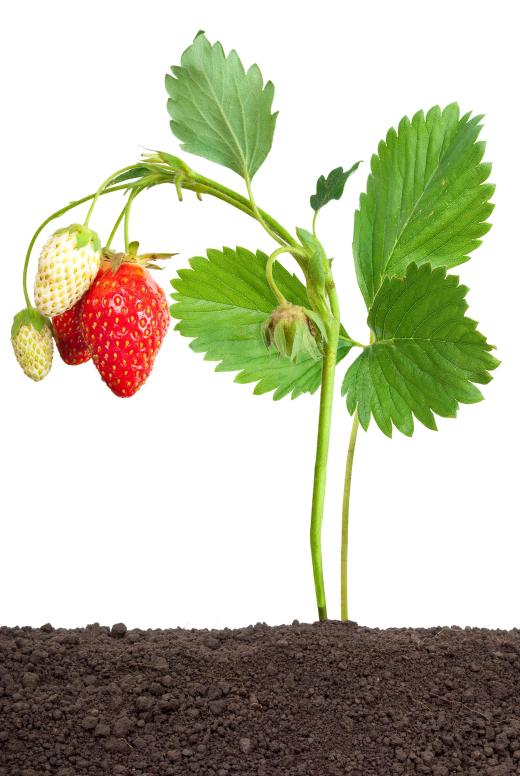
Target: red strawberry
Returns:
[[71, 344], [124, 317]]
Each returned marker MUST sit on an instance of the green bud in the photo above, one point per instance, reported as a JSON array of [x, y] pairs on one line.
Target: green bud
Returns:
[[294, 332]]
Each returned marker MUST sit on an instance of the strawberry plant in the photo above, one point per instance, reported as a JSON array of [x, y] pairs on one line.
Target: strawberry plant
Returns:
[[424, 211]]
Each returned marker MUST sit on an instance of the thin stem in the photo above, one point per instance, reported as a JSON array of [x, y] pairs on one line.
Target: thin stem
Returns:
[[102, 188], [128, 207], [257, 213], [270, 265], [320, 468], [42, 226], [314, 218], [116, 226], [345, 516], [353, 342]]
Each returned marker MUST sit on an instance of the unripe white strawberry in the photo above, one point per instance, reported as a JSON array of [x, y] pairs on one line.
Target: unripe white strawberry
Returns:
[[31, 337], [68, 264]]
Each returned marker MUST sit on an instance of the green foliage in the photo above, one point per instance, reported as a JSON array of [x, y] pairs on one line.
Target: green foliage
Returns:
[[426, 355], [220, 111], [426, 200], [332, 186], [223, 302]]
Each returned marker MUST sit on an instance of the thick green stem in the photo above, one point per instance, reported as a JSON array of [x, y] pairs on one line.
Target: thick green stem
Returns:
[[345, 516], [320, 468], [42, 226]]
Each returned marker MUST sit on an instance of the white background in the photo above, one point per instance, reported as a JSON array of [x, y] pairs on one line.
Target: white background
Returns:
[[189, 504]]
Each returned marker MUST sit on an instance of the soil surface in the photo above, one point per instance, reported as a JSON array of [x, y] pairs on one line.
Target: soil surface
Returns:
[[301, 700]]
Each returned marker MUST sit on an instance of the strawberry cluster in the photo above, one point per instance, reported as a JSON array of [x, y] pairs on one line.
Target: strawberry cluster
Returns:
[[103, 307]]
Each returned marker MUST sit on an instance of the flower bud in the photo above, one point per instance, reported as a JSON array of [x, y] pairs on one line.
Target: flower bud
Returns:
[[294, 332]]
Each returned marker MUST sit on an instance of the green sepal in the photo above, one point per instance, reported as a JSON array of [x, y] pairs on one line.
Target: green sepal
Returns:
[[317, 259], [293, 333], [175, 162], [332, 186], [139, 171], [30, 316], [84, 235], [133, 247]]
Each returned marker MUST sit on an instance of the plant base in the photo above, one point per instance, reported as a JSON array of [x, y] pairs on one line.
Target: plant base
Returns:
[[325, 699]]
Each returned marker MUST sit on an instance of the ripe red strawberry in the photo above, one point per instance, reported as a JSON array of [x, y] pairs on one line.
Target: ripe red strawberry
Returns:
[[70, 341], [124, 317]]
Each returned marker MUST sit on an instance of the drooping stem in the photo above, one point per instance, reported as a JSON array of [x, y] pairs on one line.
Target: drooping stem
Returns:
[[258, 214], [270, 265], [320, 468], [345, 516], [47, 221]]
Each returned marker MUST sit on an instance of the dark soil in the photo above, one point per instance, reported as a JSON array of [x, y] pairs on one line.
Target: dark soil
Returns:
[[328, 698]]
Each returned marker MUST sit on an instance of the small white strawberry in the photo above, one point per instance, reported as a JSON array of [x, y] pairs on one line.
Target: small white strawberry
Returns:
[[31, 337], [68, 264]]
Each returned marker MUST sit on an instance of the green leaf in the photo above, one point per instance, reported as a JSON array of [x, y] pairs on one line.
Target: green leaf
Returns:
[[222, 302], [426, 356], [426, 200], [220, 111], [332, 186]]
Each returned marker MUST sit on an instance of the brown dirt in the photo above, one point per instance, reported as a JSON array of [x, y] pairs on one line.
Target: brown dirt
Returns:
[[302, 700]]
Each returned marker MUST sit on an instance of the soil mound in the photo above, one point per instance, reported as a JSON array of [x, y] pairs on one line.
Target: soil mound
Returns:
[[329, 699]]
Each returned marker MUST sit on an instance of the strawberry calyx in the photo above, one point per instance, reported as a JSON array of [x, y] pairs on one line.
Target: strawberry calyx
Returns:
[[145, 260], [83, 234], [30, 316]]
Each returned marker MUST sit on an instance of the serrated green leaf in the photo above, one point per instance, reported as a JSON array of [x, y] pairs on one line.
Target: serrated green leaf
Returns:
[[426, 198], [220, 111], [426, 357], [223, 301], [332, 186]]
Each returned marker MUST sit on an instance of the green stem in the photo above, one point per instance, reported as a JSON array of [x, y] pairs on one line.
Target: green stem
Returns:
[[116, 226], [314, 218], [42, 226], [345, 516], [133, 195], [259, 217], [101, 189], [322, 454], [270, 265]]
